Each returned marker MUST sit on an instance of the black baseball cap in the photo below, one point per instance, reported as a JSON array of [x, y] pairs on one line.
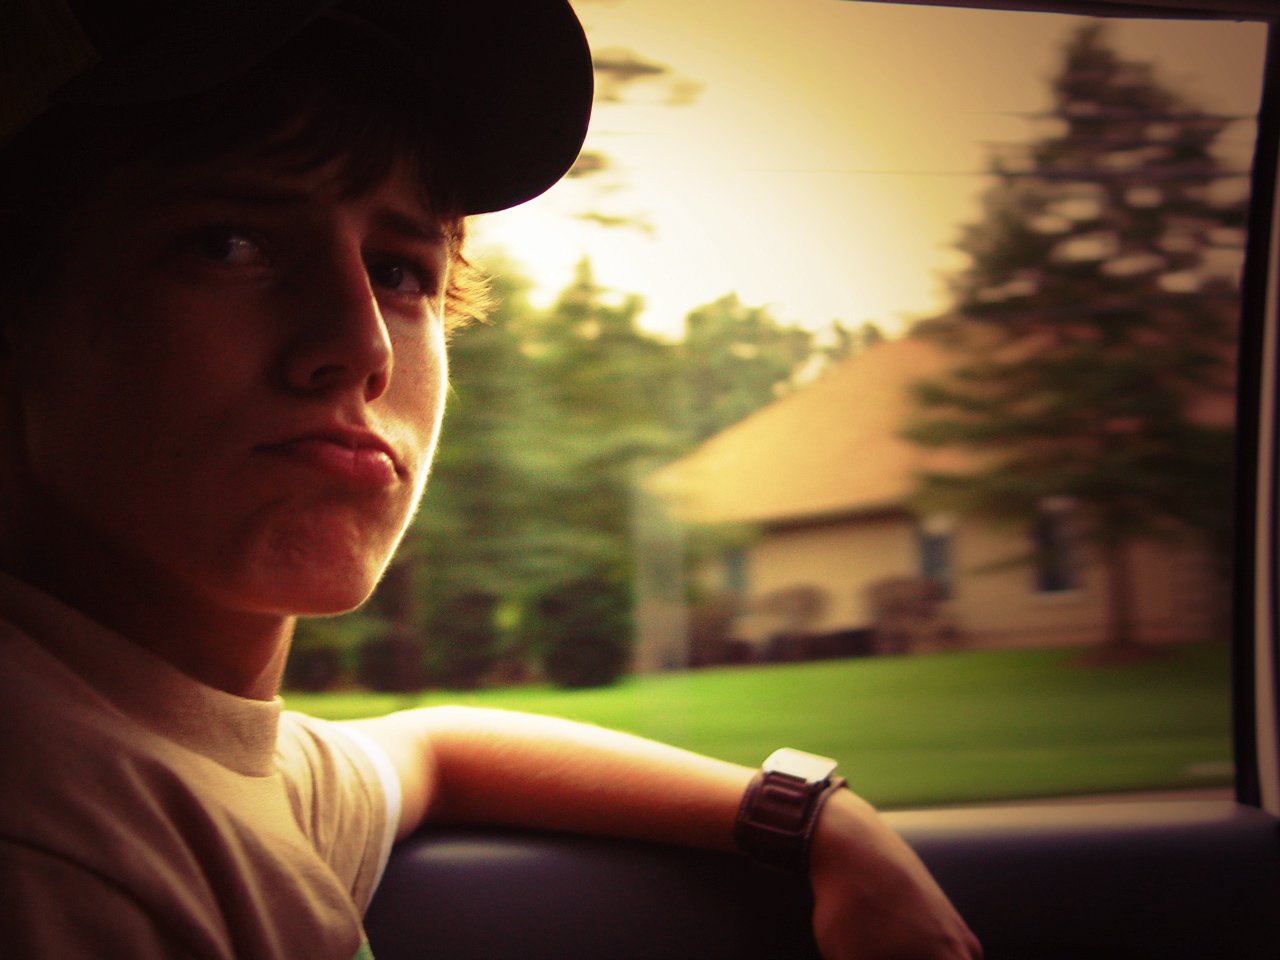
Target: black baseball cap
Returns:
[[514, 77]]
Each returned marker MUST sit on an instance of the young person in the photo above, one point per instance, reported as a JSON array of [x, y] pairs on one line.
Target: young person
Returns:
[[232, 248]]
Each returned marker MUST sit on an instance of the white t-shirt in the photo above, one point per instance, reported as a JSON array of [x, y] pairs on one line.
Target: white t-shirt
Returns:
[[145, 815]]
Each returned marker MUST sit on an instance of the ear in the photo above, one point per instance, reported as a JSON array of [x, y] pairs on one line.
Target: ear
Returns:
[[10, 403], [8, 319], [14, 311]]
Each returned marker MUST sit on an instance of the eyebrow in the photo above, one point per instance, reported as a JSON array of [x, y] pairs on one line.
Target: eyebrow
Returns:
[[422, 228], [244, 192]]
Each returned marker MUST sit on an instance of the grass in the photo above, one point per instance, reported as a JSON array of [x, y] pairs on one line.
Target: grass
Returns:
[[918, 730]]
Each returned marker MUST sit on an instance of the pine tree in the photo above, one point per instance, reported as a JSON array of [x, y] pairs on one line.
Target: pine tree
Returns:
[[735, 359], [1095, 329], [603, 391], [468, 547]]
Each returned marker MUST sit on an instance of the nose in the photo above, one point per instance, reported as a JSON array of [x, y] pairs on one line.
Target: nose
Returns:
[[340, 340]]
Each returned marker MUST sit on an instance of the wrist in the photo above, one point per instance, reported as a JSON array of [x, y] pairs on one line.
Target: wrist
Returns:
[[847, 830], [852, 841], [781, 807]]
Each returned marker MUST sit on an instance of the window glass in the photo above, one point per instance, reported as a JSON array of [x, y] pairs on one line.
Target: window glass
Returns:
[[735, 571], [1057, 562], [935, 552], [866, 388]]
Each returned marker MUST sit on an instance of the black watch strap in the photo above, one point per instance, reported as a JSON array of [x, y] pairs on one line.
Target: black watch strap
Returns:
[[779, 812]]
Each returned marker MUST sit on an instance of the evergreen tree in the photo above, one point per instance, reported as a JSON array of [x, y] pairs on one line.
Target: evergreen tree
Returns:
[[469, 546], [735, 359], [605, 395], [1097, 323]]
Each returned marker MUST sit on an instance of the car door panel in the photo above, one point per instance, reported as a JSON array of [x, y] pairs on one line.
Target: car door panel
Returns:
[[1162, 880]]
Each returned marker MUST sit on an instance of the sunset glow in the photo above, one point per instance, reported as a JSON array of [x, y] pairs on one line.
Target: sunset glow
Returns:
[[817, 156]]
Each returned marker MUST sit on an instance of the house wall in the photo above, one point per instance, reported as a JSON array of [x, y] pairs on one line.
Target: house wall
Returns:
[[838, 559], [1173, 593], [992, 607]]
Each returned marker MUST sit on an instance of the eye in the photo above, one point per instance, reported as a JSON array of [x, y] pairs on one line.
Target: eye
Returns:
[[227, 245], [402, 278]]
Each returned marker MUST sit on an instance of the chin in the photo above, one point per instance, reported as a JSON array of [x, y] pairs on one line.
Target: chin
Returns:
[[306, 602], [308, 590], [322, 597], [310, 569]]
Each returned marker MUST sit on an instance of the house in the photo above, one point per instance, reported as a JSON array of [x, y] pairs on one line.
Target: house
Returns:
[[818, 485]]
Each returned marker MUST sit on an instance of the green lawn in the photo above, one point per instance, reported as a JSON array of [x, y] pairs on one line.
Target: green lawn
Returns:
[[918, 730]]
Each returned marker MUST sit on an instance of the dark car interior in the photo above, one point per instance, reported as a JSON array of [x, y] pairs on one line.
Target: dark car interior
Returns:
[[1124, 877]]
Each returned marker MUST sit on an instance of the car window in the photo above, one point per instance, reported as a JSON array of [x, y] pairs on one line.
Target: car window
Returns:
[[868, 387]]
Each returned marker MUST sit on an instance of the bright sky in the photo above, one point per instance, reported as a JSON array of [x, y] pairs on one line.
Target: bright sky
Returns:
[[829, 155]]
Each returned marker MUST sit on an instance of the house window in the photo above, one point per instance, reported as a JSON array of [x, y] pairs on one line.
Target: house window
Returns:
[[735, 571], [933, 539], [1056, 546]]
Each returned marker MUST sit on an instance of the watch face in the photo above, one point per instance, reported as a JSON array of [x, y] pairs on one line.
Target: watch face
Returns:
[[796, 763]]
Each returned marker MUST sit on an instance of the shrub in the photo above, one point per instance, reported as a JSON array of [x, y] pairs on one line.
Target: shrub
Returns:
[[583, 629]]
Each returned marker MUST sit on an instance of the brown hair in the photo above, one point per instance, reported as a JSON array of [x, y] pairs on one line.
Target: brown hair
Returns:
[[323, 97]]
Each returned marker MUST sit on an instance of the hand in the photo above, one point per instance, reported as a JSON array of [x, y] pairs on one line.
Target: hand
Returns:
[[873, 897]]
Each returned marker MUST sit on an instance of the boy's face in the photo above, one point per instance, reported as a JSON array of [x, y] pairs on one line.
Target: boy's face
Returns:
[[233, 389]]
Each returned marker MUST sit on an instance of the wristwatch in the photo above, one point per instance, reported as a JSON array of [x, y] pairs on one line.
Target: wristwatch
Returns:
[[779, 811]]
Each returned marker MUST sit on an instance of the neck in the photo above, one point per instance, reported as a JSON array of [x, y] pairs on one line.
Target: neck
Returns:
[[239, 653]]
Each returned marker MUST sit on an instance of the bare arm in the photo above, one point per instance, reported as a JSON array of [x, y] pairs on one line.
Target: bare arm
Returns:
[[469, 765], [873, 897]]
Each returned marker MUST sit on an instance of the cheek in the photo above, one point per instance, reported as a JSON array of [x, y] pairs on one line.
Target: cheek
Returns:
[[420, 384], [436, 390], [65, 397], [123, 396], [414, 407]]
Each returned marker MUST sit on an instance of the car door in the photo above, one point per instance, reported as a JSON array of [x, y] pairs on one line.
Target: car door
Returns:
[[1149, 877]]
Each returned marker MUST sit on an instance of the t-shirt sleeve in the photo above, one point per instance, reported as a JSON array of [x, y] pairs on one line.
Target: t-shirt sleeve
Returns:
[[345, 797], [52, 907]]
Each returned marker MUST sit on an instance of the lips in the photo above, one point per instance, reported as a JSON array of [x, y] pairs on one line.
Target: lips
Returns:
[[358, 457]]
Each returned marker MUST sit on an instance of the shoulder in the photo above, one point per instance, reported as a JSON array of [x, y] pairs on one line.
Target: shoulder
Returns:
[[57, 907], [82, 787], [318, 756], [344, 795]]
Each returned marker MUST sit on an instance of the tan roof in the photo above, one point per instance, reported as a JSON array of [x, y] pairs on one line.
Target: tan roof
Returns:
[[829, 448]]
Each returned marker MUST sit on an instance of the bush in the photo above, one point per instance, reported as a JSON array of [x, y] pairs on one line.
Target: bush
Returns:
[[392, 663], [583, 629], [313, 669], [464, 641], [324, 649]]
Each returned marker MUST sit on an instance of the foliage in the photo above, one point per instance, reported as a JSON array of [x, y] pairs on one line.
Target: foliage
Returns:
[[583, 630], [324, 649], [552, 418], [464, 638], [735, 359], [1095, 328], [604, 389], [469, 545], [391, 662]]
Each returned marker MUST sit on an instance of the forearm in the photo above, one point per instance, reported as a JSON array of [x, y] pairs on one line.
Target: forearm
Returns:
[[514, 769]]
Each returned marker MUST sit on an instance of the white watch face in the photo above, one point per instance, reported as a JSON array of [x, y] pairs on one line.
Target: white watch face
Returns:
[[796, 763]]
